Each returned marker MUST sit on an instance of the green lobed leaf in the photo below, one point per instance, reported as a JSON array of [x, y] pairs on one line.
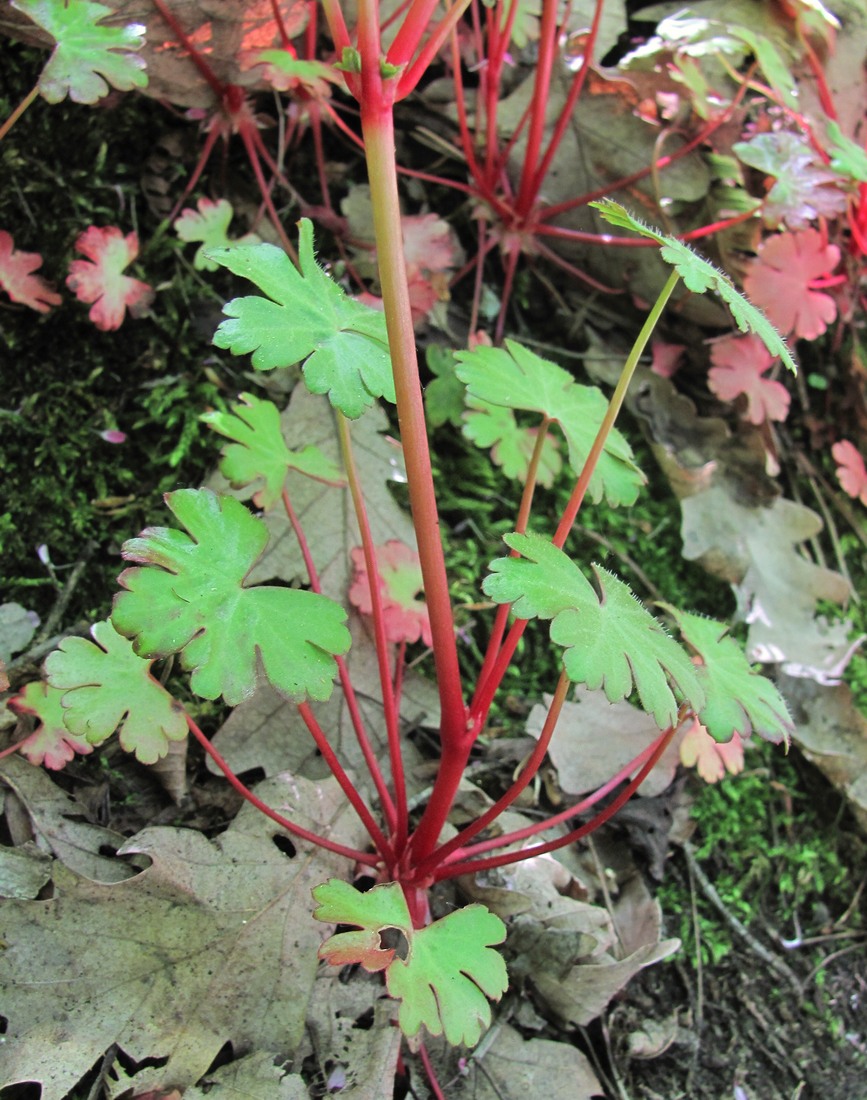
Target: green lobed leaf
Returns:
[[188, 596], [209, 227], [495, 427], [848, 157], [450, 969], [258, 450], [307, 317], [739, 700], [610, 640], [88, 57], [106, 685], [517, 378], [699, 275]]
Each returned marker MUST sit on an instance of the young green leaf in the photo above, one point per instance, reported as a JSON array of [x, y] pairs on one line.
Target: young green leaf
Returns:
[[700, 275], [209, 226], [739, 700], [87, 54], [306, 316], [511, 446], [517, 378], [610, 640], [259, 451], [189, 597], [105, 685], [450, 969]]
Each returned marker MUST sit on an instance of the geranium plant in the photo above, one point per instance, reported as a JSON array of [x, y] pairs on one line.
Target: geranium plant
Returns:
[[189, 590]]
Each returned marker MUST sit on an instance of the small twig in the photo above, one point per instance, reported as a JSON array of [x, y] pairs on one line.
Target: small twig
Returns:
[[709, 891], [55, 617], [832, 958]]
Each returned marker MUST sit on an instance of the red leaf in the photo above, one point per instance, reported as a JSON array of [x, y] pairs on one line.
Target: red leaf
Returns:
[[712, 759], [18, 280], [99, 278], [851, 472], [51, 743], [739, 363], [780, 282], [400, 580]]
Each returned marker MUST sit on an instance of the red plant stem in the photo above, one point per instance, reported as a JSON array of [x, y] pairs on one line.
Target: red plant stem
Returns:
[[409, 80], [528, 772], [285, 40], [378, 130], [253, 144], [14, 748], [346, 785], [415, 23], [473, 866], [207, 148], [626, 181], [210, 78], [502, 616], [431, 1073], [345, 681], [341, 125], [336, 25], [389, 703], [568, 107], [532, 476], [825, 97], [585, 803], [541, 87], [467, 143], [488, 686], [19, 111], [513, 254], [369, 859]]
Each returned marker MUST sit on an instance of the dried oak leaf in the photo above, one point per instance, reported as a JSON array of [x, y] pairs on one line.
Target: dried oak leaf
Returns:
[[739, 363], [210, 945], [781, 281]]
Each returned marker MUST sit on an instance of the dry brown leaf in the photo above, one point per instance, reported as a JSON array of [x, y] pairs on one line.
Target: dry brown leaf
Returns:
[[594, 739], [832, 734], [584, 993], [757, 549], [514, 1068], [212, 944], [58, 823]]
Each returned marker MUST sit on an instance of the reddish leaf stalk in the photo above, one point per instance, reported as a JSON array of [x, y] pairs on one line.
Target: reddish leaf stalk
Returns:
[[440, 855], [369, 859], [392, 719], [474, 866], [346, 784], [361, 736]]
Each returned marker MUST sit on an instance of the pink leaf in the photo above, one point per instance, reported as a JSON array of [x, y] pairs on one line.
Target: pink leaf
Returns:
[[18, 280], [710, 758], [666, 358], [851, 472], [780, 282], [428, 242], [99, 278], [400, 580], [51, 743], [739, 364]]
